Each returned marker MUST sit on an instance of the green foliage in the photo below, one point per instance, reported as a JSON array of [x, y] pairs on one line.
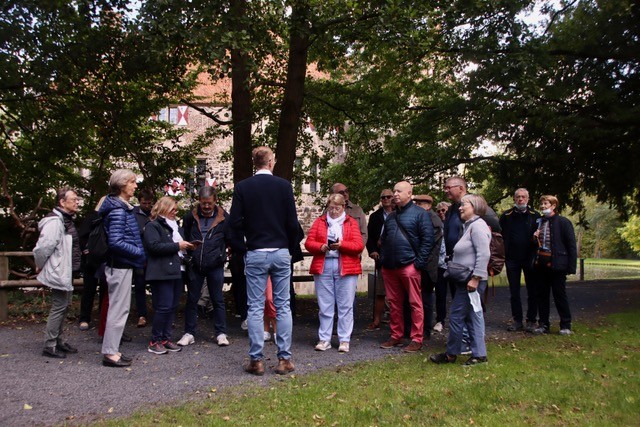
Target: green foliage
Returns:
[[630, 232]]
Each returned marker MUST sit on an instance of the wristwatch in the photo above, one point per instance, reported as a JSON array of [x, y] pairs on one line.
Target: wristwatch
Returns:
[[478, 278]]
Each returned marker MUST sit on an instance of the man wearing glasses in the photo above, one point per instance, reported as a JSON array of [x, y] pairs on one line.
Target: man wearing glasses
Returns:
[[374, 230], [57, 256], [351, 208]]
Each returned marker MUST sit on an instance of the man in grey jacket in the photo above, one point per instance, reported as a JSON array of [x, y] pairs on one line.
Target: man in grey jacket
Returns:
[[57, 256]]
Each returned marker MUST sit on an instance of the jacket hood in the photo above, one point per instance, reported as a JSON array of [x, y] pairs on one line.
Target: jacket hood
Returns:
[[114, 202], [51, 216]]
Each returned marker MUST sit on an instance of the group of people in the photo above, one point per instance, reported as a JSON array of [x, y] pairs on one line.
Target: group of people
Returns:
[[418, 252]]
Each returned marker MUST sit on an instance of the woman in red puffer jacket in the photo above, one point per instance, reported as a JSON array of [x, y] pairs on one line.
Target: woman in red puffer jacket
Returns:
[[335, 243]]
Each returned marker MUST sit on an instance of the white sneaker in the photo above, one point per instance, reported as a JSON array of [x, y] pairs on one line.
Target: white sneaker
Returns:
[[438, 327], [566, 332], [244, 326], [323, 345], [344, 347], [186, 340], [267, 336], [222, 340]]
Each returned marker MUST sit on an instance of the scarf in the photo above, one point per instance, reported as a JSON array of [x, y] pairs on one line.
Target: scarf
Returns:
[[177, 238], [334, 231]]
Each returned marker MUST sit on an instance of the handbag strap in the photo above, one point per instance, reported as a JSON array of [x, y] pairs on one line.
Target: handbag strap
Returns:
[[404, 233]]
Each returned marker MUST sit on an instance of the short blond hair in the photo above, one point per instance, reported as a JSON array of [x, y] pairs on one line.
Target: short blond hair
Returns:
[[162, 207], [261, 156], [478, 202], [336, 198]]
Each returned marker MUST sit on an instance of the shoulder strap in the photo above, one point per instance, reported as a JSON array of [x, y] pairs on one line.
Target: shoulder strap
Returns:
[[404, 233]]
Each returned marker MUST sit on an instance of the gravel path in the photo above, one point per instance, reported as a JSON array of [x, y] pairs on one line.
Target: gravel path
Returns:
[[79, 389]]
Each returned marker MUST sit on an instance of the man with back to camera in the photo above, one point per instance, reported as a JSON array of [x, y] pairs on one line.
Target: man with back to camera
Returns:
[[263, 210], [518, 225]]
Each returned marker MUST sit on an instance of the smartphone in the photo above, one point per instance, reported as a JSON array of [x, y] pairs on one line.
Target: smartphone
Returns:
[[331, 242], [196, 242]]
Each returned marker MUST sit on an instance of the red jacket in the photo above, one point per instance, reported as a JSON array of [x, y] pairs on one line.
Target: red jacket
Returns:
[[349, 251]]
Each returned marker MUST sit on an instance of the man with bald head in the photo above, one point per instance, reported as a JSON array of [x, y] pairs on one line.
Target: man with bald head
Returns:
[[406, 242], [351, 208]]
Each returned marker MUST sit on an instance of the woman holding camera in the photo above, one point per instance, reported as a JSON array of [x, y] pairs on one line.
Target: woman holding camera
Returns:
[[165, 248], [468, 269], [335, 242]]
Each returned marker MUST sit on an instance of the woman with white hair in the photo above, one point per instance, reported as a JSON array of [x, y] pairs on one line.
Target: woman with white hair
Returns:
[[125, 253], [468, 270]]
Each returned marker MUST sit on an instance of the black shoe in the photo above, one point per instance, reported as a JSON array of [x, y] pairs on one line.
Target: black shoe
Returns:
[[66, 348], [126, 358], [442, 358], [476, 360], [53, 352], [126, 338], [120, 363], [515, 327]]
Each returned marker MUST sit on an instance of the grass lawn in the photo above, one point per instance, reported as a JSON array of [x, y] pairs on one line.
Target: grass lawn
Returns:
[[591, 378]]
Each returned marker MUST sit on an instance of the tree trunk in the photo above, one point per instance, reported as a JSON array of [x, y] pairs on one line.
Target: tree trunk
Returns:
[[240, 105], [293, 92]]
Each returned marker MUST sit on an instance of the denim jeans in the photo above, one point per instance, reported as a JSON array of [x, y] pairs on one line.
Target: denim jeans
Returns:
[[165, 297], [462, 314], [215, 281], [258, 266], [333, 289]]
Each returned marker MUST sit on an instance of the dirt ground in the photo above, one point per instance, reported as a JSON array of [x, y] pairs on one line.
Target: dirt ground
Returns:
[[35, 390]]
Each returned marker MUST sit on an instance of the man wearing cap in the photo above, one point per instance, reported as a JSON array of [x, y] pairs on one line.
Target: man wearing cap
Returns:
[[351, 208], [430, 275], [374, 230]]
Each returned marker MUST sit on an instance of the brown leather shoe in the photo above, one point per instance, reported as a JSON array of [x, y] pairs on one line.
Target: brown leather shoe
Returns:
[[412, 347], [255, 367], [391, 343], [284, 367]]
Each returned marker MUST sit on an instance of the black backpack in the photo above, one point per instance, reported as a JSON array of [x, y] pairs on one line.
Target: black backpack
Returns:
[[97, 244]]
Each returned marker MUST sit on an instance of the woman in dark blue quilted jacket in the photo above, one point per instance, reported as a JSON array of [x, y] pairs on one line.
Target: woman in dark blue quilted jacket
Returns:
[[126, 253]]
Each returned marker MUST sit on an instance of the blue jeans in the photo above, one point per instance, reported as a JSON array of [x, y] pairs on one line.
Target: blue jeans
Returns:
[[333, 289], [462, 314], [165, 297], [258, 266], [215, 281]]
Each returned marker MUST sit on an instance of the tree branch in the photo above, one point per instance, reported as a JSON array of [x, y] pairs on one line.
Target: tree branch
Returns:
[[207, 114]]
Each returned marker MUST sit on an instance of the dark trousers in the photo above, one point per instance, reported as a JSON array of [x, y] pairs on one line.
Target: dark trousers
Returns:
[[89, 288], [441, 296], [140, 289], [555, 282], [515, 268], [428, 287], [238, 284], [215, 281], [165, 297]]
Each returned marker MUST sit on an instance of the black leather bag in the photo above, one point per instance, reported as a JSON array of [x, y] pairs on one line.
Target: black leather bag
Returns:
[[458, 272]]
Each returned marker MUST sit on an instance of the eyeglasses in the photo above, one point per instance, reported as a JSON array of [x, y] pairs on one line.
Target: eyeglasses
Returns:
[[343, 192], [441, 210], [385, 197], [449, 187]]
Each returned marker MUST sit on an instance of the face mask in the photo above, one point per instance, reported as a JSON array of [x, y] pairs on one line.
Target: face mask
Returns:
[[546, 212], [521, 207]]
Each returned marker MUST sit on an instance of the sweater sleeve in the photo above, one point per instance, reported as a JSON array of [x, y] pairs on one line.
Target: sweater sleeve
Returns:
[[480, 236]]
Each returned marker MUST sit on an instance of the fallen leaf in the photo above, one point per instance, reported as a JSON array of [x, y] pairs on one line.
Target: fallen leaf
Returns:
[[227, 418], [27, 406], [110, 410], [331, 396]]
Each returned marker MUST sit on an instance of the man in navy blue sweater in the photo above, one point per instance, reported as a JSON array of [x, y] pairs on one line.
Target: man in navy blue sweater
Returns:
[[263, 210]]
